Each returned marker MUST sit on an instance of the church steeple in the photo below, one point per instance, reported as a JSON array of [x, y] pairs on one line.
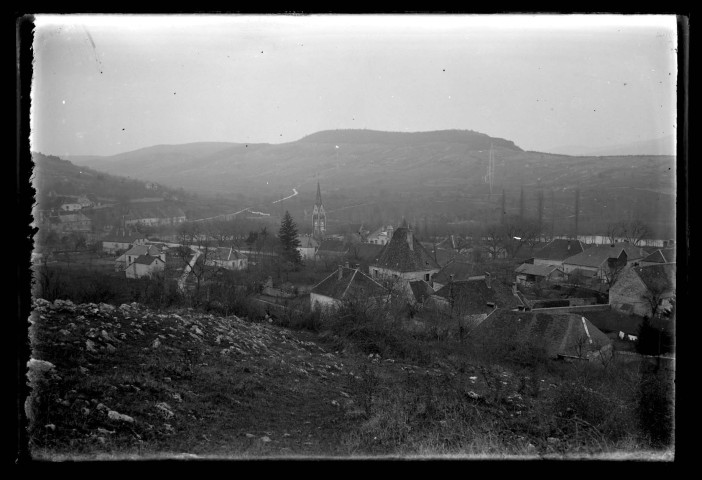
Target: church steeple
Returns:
[[319, 217]]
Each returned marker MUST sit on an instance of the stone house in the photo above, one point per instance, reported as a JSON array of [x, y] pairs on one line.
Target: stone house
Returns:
[[228, 258], [145, 266], [127, 258], [119, 240], [381, 235], [308, 247], [346, 284], [599, 261], [564, 334], [405, 258], [457, 271], [557, 250], [528, 274], [478, 296], [637, 287]]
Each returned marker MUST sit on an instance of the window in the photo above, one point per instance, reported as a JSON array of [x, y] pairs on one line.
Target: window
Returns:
[[426, 277]]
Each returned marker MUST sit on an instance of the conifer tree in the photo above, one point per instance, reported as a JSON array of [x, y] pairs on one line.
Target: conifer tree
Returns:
[[288, 239]]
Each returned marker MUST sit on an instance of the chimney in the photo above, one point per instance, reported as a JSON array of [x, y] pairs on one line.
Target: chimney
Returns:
[[487, 279], [340, 272], [357, 266], [346, 264], [569, 245]]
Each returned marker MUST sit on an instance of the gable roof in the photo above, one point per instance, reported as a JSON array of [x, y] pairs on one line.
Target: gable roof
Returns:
[[662, 255], [367, 252], [537, 270], [143, 250], [330, 245], [556, 333], [352, 284], [421, 290], [460, 271], [225, 254], [307, 241], [146, 259], [596, 256], [473, 296], [404, 253], [657, 276], [559, 249]]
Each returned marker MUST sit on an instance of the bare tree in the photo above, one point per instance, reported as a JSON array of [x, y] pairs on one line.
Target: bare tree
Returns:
[[634, 231], [614, 231], [655, 293], [494, 240]]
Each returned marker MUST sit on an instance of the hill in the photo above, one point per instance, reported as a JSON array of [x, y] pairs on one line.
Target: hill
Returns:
[[374, 176]]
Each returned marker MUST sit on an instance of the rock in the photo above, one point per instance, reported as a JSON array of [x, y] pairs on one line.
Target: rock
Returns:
[[104, 431], [90, 346], [111, 348], [196, 330], [165, 409], [101, 407], [472, 395], [176, 396], [266, 439], [156, 344], [51, 427], [113, 415], [106, 308], [553, 440], [64, 332], [249, 435]]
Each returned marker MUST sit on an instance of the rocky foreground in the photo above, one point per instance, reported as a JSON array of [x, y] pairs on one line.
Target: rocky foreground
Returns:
[[130, 382]]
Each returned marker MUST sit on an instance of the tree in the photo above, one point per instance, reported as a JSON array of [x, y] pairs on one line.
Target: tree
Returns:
[[634, 231], [289, 240]]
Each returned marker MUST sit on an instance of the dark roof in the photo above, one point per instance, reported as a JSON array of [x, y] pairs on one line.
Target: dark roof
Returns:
[[473, 296], [421, 290], [459, 270], [596, 256], [226, 254], [657, 276], [662, 255], [335, 246], [307, 241], [146, 259], [559, 249], [143, 250], [352, 284], [538, 270], [556, 333], [404, 253], [367, 252]]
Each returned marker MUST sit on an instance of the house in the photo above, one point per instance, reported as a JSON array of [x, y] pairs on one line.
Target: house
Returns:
[[420, 291], [528, 274], [365, 253], [119, 240], [638, 288], [331, 248], [564, 334], [85, 202], [659, 256], [308, 247], [557, 250], [457, 271], [128, 257], [72, 222], [405, 258], [226, 257], [478, 296], [381, 235], [70, 207], [145, 266], [162, 213], [346, 284], [598, 262]]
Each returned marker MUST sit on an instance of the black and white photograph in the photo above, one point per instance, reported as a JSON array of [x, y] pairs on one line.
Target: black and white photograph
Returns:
[[407, 236]]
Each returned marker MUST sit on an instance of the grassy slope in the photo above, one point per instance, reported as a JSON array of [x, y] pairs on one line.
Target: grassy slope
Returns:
[[225, 387]]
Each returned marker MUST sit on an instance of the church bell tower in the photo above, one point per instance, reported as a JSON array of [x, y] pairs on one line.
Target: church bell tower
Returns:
[[319, 217]]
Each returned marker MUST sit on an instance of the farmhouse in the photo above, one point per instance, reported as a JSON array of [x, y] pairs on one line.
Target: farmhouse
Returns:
[[477, 296], [557, 334], [557, 250], [126, 259], [381, 235], [639, 289], [600, 261], [346, 284], [228, 258], [120, 240], [404, 258], [308, 247], [660, 256], [528, 274], [144, 266]]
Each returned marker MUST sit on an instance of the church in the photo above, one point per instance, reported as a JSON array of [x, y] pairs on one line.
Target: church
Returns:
[[319, 217]]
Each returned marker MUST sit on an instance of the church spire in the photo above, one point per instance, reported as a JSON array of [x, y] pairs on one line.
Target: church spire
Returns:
[[319, 217]]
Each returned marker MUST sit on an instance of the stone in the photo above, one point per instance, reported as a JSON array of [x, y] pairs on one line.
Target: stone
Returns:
[[266, 439], [165, 409], [51, 427], [90, 346], [156, 344], [113, 415], [249, 435], [110, 348]]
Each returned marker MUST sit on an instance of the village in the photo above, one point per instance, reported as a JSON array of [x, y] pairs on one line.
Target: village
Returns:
[[606, 290]]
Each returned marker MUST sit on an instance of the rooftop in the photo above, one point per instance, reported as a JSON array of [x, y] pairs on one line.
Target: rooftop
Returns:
[[404, 253], [473, 296], [559, 249], [352, 283]]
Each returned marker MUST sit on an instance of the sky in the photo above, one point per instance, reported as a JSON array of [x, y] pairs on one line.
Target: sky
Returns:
[[107, 84]]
